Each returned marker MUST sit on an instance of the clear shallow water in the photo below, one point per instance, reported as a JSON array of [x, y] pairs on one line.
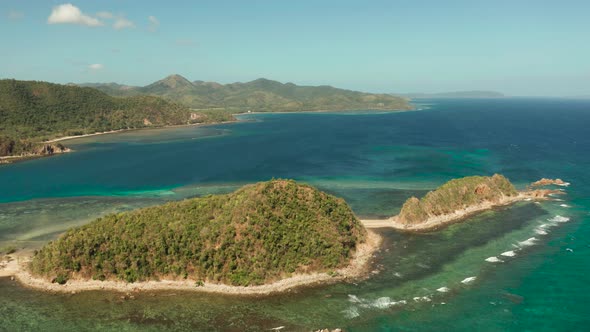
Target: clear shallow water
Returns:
[[374, 161]]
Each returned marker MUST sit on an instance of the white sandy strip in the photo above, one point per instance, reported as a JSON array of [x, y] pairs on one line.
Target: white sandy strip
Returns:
[[358, 267], [437, 221], [85, 135]]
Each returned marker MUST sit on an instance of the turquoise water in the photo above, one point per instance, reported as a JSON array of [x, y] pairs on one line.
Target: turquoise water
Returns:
[[375, 161]]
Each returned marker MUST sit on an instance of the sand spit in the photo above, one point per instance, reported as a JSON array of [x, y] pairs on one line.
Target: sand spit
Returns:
[[437, 222]]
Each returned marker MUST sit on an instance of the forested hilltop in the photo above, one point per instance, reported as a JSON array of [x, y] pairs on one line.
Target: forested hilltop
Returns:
[[456, 195], [257, 234], [32, 111], [261, 95]]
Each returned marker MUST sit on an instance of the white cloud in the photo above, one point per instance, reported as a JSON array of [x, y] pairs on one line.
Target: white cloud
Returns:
[[96, 66], [154, 23], [70, 14], [122, 23], [105, 15], [15, 15]]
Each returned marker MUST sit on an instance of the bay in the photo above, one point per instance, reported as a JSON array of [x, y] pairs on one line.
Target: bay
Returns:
[[375, 160]]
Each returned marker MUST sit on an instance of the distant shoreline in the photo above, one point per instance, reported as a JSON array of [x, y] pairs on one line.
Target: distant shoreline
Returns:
[[10, 159], [59, 139], [437, 222], [359, 266]]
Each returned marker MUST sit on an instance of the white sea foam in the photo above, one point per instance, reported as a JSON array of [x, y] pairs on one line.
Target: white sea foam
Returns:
[[494, 259], [443, 289], [354, 299], [468, 280], [528, 199], [528, 242], [382, 303], [564, 205], [559, 218], [565, 184], [351, 312], [510, 253], [386, 302], [422, 299], [540, 231]]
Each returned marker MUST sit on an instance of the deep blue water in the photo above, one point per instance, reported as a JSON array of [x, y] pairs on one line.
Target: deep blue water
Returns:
[[375, 161]]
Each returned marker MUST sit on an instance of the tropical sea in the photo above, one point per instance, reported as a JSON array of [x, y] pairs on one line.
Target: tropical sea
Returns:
[[519, 268]]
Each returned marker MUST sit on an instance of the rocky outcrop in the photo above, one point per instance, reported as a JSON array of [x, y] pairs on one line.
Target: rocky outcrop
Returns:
[[49, 149], [547, 182]]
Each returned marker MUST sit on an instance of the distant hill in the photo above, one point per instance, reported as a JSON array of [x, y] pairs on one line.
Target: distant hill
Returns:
[[260, 95], [257, 234], [31, 111], [457, 94]]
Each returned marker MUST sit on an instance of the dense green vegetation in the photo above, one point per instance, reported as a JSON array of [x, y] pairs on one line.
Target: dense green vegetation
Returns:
[[257, 234], [260, 95], [454, 195], [33, 111]]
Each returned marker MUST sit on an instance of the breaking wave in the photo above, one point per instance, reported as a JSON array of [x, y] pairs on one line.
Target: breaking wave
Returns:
[[559, 218], [494, 259], [528, 242], [510, 253], [468, 280]]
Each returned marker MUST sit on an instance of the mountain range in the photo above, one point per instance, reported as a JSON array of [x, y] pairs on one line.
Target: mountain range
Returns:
[[261, 95]]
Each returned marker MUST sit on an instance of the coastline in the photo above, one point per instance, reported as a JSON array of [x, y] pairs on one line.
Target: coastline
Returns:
[[64, 138], [437, 222], [59, 139], [10, 159], [359, 266]]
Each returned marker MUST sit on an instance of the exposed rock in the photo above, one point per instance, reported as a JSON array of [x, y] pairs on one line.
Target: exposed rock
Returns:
[[546, 182], [482, 189], [543, 193]]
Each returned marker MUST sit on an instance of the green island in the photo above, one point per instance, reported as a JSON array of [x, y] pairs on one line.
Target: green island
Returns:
[[256, 235], [455, 195], [456, 200], [33, 113]]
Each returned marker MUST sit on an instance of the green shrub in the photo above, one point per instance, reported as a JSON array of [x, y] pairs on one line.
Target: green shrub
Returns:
[[259, 233]]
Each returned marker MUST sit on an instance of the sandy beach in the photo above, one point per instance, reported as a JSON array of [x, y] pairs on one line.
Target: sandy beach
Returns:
[[358, 267], [86, 135], [436, 222]]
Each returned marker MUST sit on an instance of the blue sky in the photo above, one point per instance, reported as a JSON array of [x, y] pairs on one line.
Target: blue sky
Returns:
[[516, 47]]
